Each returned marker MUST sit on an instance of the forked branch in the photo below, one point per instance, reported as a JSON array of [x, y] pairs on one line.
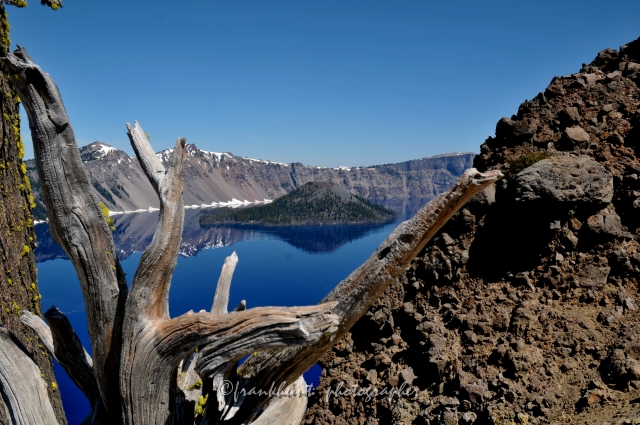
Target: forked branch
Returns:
[[150, 286]]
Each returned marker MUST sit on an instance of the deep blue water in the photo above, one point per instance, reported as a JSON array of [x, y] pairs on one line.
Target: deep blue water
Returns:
[[277, 267]]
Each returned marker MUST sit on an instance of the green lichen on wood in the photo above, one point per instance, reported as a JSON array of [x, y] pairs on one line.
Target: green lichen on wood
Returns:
[[195, 385], [202, 403], [105, 213]]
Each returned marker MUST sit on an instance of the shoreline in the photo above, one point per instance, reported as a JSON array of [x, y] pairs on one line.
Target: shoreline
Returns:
[[233, 203]]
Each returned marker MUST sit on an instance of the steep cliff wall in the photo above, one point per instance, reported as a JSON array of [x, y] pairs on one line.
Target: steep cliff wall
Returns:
[[221, 177]]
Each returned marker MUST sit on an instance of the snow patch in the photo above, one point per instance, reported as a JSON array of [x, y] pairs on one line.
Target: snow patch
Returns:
[[262, 161], [104, 149]]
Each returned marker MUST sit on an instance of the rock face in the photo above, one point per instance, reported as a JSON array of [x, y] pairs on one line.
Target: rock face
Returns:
[[524, 308], [221, 177], [565, 179]]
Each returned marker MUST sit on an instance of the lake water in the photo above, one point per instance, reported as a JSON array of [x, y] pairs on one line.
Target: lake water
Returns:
[[278, 266]]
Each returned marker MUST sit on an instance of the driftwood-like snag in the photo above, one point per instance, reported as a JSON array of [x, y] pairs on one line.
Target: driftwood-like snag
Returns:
[[138, 349], [221, 298]]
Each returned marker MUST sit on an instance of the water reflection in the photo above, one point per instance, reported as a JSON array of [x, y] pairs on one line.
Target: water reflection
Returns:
[[134, 232]]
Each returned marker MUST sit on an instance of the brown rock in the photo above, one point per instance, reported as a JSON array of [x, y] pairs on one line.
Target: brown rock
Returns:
[[592, 276]]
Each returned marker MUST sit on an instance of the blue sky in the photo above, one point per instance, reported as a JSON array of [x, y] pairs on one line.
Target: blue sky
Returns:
[[314, 81]]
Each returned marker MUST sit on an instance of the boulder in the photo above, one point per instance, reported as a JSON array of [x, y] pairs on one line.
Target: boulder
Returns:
[[569, 116], [605, 223], [565, 180], [574, 137]]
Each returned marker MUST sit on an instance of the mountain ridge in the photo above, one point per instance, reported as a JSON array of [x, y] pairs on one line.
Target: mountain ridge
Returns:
[[212, 178]]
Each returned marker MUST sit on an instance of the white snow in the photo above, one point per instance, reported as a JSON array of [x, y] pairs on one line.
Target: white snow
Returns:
[[233, 203], [262, 161], [104, 149]]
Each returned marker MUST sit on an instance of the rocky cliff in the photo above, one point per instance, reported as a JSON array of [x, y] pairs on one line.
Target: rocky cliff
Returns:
[[212, 177], [524, 308]]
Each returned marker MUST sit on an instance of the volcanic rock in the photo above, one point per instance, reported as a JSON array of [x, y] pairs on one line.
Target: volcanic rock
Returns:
[[564, 222]]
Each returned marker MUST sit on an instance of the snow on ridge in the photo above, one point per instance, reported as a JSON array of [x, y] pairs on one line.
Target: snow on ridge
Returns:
[[233, 203], [264, 161]]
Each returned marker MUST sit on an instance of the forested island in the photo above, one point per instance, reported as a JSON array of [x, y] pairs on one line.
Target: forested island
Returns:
[[313, 203]]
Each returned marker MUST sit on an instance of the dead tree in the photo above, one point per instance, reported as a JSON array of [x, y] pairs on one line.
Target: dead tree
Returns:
[[144, 361]]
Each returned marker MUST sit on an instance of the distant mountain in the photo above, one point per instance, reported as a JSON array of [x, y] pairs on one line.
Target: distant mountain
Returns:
[[311, 203], [213, 178]]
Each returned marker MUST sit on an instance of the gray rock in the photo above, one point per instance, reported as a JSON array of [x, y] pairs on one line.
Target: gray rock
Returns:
[[565, 179], [569, 238], [575, 137], [605, 223], [449, 417], [523, 279], [407, 375], [448, 240], [372, 376], [471, 337], [436, 343], [569, 116], [449, 401], [468, 418], [477, 393], [426, 328], [464, 257], [592, 79]]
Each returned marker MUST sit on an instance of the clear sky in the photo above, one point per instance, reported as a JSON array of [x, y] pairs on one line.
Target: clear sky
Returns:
[[320, 82]]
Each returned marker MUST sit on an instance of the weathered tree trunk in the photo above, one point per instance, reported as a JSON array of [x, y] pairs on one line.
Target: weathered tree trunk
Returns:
[[138, 349], [18, 280]]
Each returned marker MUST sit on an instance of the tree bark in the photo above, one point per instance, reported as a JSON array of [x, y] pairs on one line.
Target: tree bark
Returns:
[[18, 281]]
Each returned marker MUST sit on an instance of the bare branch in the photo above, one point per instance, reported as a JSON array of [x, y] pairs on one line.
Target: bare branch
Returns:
[[149, 296], [75, 217], [23, 390], [41, 329], [363, 287], [221, 299], [71, 354], [149, 162]]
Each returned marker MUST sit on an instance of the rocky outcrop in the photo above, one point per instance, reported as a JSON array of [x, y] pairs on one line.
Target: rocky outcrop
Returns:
[[524, 308], [212, 177]]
